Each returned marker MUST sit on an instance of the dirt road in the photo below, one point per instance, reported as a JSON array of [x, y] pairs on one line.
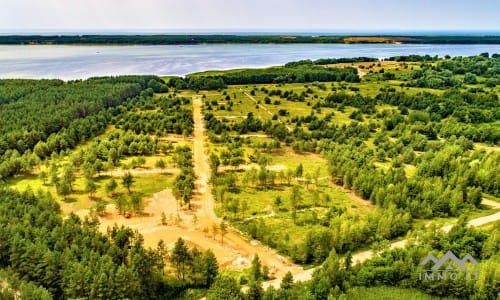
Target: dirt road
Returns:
[[365, 255], [277, 264], [140, 171]]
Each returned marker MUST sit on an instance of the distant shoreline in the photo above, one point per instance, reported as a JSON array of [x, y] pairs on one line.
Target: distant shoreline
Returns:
[[195, 39]]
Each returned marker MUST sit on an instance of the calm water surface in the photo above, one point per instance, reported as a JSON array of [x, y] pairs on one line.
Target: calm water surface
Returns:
[[75, 62]]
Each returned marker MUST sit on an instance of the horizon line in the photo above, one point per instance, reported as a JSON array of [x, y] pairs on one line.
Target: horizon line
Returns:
[[226, 31]]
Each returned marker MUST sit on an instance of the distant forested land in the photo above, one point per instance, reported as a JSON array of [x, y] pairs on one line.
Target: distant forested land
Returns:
[[239, 39], [301, 71]]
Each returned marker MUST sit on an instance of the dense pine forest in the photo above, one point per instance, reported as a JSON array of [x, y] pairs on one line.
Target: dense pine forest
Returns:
[[319, 160]]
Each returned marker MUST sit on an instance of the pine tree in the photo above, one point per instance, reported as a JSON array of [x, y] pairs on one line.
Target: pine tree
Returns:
[[299, 170], [54, 176], [91, 188], [127, 181], [295, 199], [69, 176], [223, 231], [255, 290], [287, 281], [224, 287], [179, 258], [210, 267], [160, 164], [64, 189], [137, 203], [43, 177], [121, 204], [111, 187], [255, 269], [215, 230], [196, 275]]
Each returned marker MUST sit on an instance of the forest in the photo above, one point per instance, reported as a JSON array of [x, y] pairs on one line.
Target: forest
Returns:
[[319, 160], [290, 73]]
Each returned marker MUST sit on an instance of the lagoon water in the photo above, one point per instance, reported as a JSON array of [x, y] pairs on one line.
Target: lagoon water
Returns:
[[78, 62]]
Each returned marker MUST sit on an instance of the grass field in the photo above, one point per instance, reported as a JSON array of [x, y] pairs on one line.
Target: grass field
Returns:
[[390, 293], [144, 184]]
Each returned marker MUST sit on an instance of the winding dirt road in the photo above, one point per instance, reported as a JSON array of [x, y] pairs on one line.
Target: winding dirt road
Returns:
[[365, 255]]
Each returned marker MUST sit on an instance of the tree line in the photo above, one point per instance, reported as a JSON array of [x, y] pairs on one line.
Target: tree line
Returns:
[[189, 39], [286, 74]]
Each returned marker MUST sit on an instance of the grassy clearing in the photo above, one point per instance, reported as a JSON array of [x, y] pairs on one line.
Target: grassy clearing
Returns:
[[316, 196], [145, 184], [389, 293]]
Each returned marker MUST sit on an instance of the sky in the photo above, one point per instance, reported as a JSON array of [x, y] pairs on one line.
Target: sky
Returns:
[[52, 16]]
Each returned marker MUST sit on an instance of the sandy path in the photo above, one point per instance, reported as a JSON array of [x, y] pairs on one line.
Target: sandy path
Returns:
[[491, 203], [275, 168], [277, 264], [140, 171], [253, 136], [175, 139], [265, 108], [365, 255]]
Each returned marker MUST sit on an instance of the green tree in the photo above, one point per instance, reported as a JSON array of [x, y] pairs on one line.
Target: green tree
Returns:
[[210, 267], [215, 230], [289, 175], [255, 290], [43, 177], [141, 161], [299, 170], [307, 180], [64, 189], [121, 204], [88, 170], [54, 176], [137, 202], [183, 187], [214, 163], [127, 181], [91, 188], [256, 269], [179, 258], [69, 176], [160, 164], [244, 206], [195, 267], [223, 231], [111, 187], [287, 281], [234, 205], [470, 78], [224, 287], [348, 260], [295, 199]]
